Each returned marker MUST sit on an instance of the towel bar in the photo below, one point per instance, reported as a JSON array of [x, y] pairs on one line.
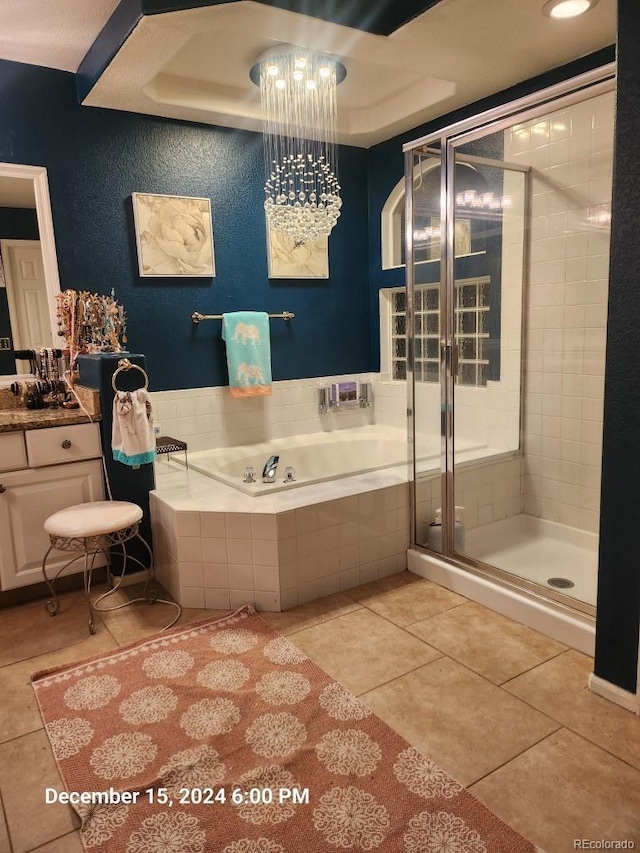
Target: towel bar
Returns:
[[197, 317]]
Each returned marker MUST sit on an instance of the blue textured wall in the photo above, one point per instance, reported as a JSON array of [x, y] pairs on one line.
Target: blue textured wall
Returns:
[[96, 158], [618, 614]]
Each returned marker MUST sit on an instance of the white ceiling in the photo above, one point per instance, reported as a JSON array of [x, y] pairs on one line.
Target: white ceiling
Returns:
[[194, 64], [53, 33]]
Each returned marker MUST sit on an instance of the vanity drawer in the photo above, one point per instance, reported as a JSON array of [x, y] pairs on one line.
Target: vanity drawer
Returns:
[[62, 444], [13, 454]]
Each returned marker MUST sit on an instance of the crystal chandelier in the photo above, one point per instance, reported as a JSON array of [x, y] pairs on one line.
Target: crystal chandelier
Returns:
[[298, 96]]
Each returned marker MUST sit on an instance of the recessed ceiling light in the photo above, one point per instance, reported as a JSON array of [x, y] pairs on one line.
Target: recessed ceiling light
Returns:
[[567, 8]]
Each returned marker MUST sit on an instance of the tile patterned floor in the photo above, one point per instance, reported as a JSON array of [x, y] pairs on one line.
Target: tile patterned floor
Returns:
[[500, 707]]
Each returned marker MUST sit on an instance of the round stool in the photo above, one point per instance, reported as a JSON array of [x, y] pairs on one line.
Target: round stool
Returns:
[[92, 529]]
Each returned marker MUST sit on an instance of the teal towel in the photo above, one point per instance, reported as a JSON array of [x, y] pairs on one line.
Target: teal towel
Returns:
[[246, 334]]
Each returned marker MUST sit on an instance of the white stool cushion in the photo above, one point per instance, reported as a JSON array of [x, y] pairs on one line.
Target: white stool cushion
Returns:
[[93, 519]]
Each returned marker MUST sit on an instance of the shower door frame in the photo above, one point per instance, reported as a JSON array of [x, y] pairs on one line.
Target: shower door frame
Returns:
[[574, 90]]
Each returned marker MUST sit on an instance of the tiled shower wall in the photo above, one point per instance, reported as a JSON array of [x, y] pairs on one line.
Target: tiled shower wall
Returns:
[[570, 153], [488, 492]]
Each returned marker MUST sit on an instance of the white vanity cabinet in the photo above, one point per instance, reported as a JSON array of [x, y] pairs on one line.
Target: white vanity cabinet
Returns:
[[41, 472]]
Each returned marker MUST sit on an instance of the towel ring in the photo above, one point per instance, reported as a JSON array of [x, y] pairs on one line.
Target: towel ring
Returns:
[[125, 364]]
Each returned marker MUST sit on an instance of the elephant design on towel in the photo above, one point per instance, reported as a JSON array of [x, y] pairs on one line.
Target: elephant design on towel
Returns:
[[246, 332], [249, 373]]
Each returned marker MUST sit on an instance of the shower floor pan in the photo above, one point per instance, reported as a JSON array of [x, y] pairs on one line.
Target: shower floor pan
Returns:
[[539, 550]]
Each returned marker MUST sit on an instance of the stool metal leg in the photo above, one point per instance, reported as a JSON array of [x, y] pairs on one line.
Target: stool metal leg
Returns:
[[91, 550], [87, 587], [52, 604], [89, 547]]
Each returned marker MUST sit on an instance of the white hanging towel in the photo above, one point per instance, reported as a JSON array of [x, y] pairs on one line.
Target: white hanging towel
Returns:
[[132, 438]]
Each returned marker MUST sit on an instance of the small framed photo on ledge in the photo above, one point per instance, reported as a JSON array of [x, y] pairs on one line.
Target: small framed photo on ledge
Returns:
[[291, 258], [174, 236]]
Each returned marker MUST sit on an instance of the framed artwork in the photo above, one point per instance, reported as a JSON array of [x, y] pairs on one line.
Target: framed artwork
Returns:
[[290, 258], [174, 236]]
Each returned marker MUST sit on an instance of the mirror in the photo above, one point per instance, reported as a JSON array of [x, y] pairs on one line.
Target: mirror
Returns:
[[27, 311]]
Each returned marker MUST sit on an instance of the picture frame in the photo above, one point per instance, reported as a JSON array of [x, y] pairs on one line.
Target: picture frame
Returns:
[[289, 258], [174, 236]]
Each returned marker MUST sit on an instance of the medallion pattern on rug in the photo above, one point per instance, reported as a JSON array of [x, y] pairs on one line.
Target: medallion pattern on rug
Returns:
[[223, 736]]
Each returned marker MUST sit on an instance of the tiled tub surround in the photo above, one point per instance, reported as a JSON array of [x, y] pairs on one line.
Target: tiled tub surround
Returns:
[[216, 547], [210, 542], [208, 418]]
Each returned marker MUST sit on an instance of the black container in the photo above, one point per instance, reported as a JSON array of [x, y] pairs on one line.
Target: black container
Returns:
[[127, 483]]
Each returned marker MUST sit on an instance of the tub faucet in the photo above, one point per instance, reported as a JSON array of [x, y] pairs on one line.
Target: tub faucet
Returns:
[[269, 470]]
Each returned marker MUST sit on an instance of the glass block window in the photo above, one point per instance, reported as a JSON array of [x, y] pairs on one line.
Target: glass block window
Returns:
[[399, 334], [471, 329]]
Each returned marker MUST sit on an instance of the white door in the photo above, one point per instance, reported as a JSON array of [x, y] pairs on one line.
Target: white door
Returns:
[[27, 295]]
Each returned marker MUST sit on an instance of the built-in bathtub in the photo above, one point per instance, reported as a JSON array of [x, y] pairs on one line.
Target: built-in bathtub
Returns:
[[318, 457], [314, 458], [344, 522], [336, 527]]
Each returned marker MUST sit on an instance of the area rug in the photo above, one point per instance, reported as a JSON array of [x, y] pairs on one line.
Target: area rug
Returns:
[[222, 737]]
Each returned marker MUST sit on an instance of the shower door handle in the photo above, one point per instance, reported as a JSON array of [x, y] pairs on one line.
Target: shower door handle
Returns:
[[455, 354], [451, 354]]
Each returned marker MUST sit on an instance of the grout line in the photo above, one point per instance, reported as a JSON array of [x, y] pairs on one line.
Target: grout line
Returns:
[[514, 757], [504, 683], [322, 621], [51, 840], [3, 816], [566, 725], [577, 732], [109, 632], [603, 748], [24, 734], [444, 610], [405, 627], [469, 669], [397, 678]]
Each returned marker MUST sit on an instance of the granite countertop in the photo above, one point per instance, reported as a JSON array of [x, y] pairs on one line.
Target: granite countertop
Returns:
[[12, 420]]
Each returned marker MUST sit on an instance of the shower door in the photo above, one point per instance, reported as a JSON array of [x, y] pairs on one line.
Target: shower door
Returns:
[[488, 286], [507, 276], [462, 303], [425, 319]]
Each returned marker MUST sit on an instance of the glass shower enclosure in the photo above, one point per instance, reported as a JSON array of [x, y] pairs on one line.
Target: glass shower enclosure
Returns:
[[506, 239]]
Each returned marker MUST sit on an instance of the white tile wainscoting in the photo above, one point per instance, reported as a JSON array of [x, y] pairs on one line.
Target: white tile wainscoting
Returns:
[[218, 548], [209, 417]]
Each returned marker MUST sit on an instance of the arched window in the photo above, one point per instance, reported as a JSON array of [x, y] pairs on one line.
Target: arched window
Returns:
[[392, 225], [478, 271]]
